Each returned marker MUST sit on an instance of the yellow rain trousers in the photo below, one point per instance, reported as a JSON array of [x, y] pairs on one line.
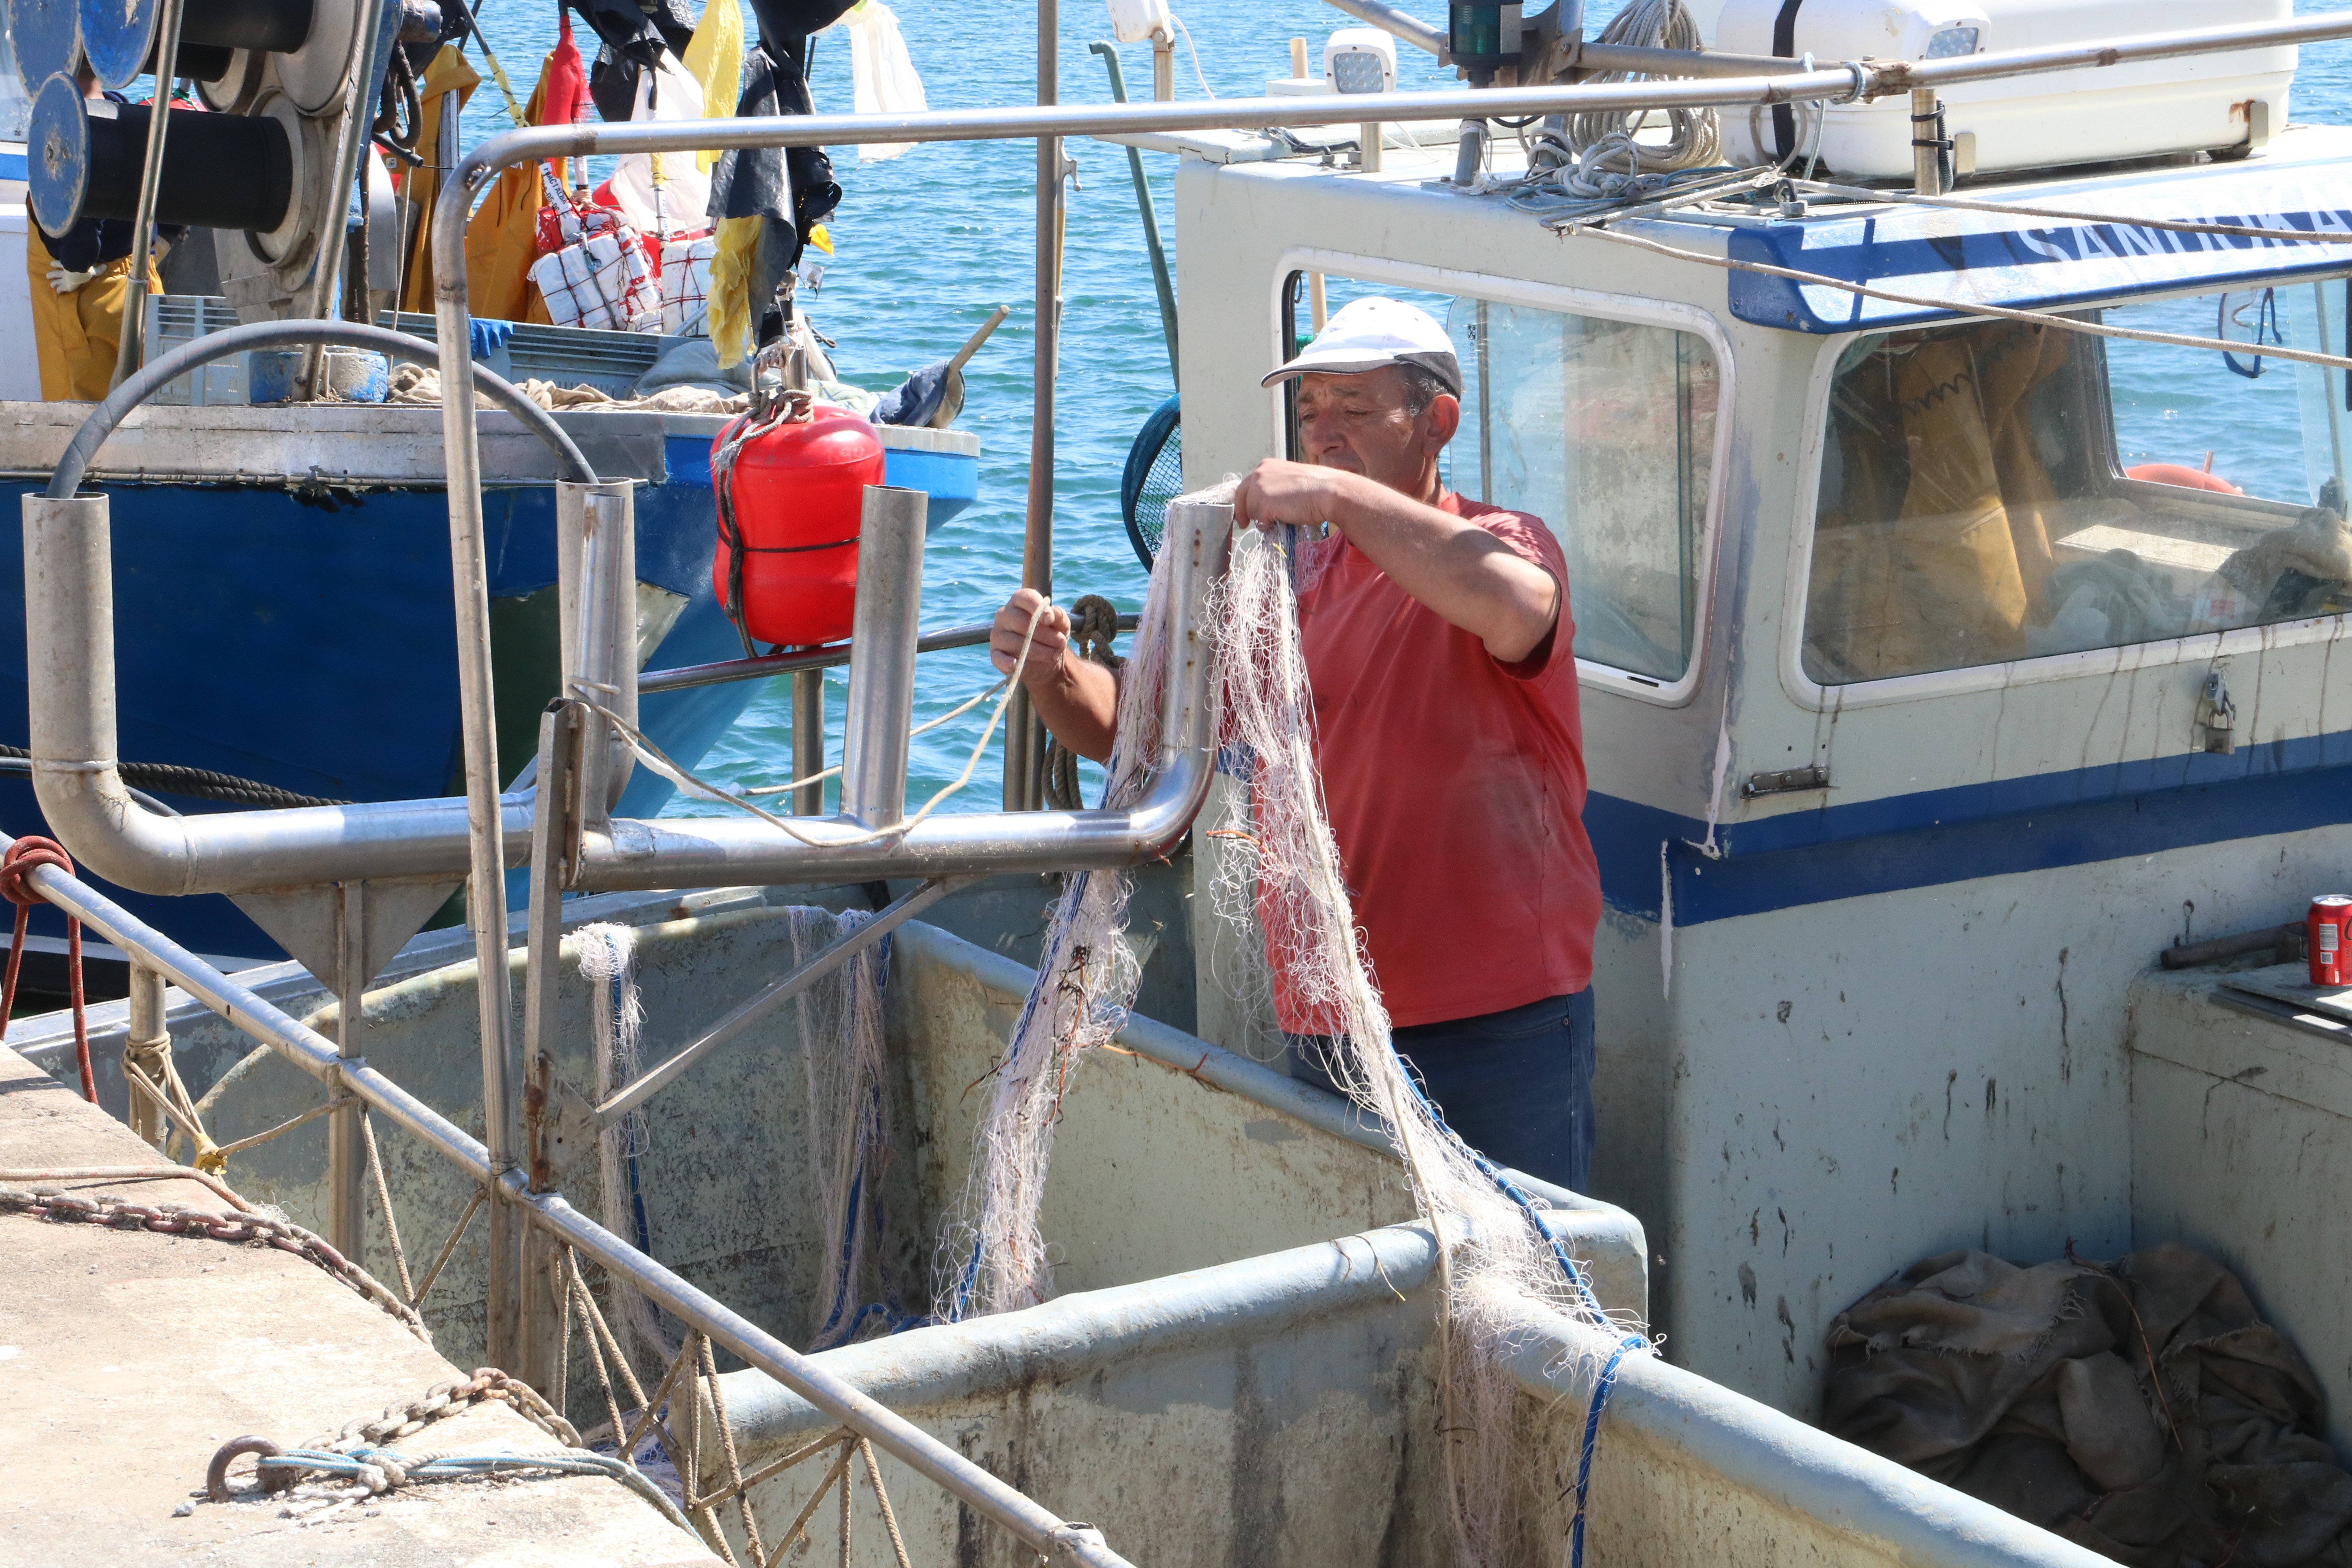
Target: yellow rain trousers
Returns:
[[421, 187], [76, 335]]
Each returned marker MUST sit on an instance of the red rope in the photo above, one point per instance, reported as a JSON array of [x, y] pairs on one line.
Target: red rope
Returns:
[[15, 868]]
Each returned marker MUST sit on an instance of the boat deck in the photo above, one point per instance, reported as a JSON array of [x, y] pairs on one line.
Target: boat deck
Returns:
[[127, 1357]]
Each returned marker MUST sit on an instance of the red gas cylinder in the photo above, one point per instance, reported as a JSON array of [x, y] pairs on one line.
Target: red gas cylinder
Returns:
[[789, 494]]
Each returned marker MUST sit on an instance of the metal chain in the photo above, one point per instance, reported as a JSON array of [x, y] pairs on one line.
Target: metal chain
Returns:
[[487, 1385], [113, 1211]]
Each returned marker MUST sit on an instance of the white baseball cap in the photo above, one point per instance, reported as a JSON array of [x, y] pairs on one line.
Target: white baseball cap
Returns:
[[1365, 334]]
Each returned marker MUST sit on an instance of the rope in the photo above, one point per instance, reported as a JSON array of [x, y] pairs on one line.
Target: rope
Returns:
[[203, 783], [113, 1213], [1998, 312], [383, 1202], [150, 1069], [957, 712], [15, 868], [1602, 144], [655, 758], [1094, 625]]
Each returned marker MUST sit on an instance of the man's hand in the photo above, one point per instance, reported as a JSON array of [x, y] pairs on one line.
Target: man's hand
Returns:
[[1077, 697], [65, 280], [1303, 494], [1046, 647]]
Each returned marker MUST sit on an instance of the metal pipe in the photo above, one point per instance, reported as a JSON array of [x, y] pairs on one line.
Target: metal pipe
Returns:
[[132, 346], [882, 663], [70, 644], [346, 1164], [1034, 1525], [1875, 78], [693, 852], [73, 466], [687, 676], [1391, 20], [1927, 142], [149, 1032], [1368, 147], [1163, 67], [596, 575], [1023, 754], [847, 945], [808, 728]]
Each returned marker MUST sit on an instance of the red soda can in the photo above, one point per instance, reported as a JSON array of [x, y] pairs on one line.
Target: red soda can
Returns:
[[2331, 941]]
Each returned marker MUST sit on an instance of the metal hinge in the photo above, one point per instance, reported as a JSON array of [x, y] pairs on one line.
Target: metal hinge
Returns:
[[1786, 781], [2217, 717]]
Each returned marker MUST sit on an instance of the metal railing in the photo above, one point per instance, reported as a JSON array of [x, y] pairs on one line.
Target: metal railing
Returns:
[[316, 1054]]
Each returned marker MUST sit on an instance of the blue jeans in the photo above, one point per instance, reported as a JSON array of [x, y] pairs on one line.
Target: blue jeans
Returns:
[[1516, 1085]]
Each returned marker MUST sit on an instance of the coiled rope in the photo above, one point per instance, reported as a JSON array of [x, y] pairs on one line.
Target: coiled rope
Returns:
[[23, 856], [201, 783]]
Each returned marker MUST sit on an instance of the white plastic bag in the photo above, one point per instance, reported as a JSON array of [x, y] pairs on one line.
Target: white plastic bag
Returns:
[[666, 94], [883, 76]]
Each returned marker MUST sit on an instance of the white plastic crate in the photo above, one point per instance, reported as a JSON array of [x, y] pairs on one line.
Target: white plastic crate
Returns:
[[174, 321]]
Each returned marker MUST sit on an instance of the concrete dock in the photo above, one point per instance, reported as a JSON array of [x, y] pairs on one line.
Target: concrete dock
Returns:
[[127, 1357]]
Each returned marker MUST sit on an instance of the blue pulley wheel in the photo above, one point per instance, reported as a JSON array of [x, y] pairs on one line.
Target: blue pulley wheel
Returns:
[[220, 170], [1153, 477], [119, 36], [47, 37], [57, 161]]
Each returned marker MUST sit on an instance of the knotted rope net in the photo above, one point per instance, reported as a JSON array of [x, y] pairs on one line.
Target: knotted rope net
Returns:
[[1498, 1259]]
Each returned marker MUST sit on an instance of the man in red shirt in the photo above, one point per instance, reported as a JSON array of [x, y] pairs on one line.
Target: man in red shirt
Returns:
[[1437, 642]]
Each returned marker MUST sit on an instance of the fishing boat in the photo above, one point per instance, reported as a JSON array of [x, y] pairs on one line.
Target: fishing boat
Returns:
[[270, 519], [1956, 539]]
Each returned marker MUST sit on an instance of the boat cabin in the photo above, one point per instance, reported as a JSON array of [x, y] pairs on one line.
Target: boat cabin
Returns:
[[1937, 670]]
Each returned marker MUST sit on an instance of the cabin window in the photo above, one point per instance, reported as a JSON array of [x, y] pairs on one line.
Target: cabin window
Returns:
[[1604, 429], [2003, 491]]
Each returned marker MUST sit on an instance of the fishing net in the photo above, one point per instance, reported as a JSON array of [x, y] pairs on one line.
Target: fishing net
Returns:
[[616, 1017], [848, 1132], [1498, 1259], [990, 1256]]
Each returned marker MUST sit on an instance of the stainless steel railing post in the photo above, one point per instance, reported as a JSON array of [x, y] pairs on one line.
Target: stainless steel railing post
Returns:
[[882, 655], [147, 1037]]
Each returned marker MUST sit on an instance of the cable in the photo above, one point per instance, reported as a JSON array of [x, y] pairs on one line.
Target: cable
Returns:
[[1194, 51]]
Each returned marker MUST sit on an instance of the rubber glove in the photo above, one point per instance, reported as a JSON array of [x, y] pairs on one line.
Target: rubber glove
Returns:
[[65, 282]]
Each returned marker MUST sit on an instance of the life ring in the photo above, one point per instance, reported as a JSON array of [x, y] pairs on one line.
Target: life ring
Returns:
[[2183, 476]]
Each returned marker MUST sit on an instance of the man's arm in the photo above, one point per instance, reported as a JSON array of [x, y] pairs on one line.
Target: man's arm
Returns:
[[1077, 697], [1455, 568]]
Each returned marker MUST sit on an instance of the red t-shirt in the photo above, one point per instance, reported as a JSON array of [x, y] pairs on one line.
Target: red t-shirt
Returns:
[[1455, 787]]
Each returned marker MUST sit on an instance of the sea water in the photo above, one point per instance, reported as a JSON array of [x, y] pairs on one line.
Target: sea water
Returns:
[[927, 244]]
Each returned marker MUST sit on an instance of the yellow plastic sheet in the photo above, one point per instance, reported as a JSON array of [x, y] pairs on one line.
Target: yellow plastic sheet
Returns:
[[731, 289], [714, 58]]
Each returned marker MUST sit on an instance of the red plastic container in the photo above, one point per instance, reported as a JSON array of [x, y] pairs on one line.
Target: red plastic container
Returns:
[[796, 490], [2331, 957]]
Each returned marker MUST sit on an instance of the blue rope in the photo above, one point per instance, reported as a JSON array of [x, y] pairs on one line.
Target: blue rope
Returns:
[[1607, 1382], [456, 1466]]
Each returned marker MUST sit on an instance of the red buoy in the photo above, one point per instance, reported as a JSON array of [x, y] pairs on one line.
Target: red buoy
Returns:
[[790, 492]]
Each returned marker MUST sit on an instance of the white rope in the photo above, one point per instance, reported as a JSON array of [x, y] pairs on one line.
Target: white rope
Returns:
[[655, 758], [957, 712], [1603, 141]]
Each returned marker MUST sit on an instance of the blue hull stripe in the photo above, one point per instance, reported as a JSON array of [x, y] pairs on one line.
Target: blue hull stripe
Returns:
[[1940, 837]]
